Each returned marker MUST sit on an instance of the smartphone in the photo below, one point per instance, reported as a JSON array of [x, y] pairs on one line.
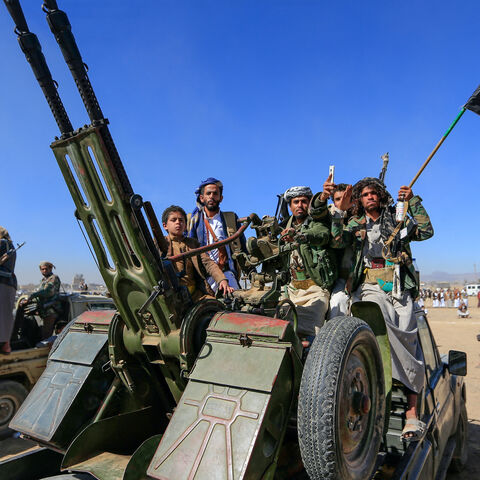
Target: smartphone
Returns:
[[331, 172]]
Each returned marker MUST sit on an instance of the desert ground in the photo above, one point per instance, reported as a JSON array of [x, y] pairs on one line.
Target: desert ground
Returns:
[[451, 333]]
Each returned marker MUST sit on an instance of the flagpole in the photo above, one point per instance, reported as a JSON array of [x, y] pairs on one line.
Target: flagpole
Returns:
[[437, 146]]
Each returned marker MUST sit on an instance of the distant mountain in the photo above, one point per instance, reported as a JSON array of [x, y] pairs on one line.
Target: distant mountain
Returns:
[[457, 278]]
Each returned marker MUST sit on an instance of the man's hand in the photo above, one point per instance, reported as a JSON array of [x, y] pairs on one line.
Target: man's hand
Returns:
[[405, 193], [225, 288], [346, 199], [328, 188], [301, 238], [288, 235]]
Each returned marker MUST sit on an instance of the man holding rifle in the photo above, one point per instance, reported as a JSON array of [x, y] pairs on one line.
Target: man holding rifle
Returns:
[[8, 287], [382, 272], [312, 265]]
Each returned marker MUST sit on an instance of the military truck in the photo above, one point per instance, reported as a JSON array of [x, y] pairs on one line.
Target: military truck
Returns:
[[166, 389], [20, 370]]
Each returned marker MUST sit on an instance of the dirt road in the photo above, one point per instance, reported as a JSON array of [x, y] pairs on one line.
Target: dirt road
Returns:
[[451, 333]]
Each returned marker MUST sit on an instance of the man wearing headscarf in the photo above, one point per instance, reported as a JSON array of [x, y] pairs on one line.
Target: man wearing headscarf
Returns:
[[383, 272], [8, 287], [46, 298], [208, 224], [312, 265]]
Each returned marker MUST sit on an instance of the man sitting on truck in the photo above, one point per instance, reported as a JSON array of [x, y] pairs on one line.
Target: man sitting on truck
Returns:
[[208, 224], [313, 268], [192, 271], [383, 273], [46, 298]]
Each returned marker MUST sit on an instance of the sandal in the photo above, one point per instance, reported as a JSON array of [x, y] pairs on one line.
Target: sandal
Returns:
[[413, 430]]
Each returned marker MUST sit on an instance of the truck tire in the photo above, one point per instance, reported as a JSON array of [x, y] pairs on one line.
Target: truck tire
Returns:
[[12, 395], [341, 404], [460, 455]]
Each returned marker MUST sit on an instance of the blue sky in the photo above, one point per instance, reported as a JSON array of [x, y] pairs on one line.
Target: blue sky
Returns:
[[263, 95]]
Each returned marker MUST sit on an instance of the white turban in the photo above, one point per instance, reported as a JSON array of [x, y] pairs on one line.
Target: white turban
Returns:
[[294, 192]]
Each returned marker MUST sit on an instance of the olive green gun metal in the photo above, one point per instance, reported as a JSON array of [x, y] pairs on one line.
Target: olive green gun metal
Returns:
[[132, 366], [161, 387]]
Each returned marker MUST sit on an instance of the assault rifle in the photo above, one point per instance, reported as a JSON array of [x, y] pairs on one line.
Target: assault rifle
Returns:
[[10, 252]]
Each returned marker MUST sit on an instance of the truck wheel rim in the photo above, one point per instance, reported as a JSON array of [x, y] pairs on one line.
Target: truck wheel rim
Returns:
[[7, 410], [357, 393]]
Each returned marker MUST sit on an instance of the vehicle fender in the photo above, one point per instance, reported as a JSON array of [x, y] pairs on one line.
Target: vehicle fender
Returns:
[[371, 313]]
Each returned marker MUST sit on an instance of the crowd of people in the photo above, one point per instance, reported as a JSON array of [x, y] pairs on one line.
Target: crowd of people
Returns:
[[356, 249], [447, 298]]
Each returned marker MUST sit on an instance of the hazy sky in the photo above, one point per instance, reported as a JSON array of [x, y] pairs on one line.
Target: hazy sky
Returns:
[[261, 94]]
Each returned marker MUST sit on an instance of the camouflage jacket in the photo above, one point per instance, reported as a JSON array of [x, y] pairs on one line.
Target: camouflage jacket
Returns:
[[416, 228], [318, 258], [47, 294]]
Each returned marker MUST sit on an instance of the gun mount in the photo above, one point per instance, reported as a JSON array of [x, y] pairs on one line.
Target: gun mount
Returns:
[[130, 369], [165, 389]]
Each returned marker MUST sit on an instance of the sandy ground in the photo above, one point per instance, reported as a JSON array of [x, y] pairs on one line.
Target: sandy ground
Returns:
[[451, 333]]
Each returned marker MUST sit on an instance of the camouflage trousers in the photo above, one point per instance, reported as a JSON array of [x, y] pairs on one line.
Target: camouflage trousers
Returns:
[[407, 358], [311, 305]]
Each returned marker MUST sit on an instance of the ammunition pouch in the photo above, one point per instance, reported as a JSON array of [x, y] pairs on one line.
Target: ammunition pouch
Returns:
[[302, 284], [321, 264], [385, 275]]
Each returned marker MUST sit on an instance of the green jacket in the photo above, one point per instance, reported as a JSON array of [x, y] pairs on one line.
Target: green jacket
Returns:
[[47, 295], [418, 228], [318, 258]]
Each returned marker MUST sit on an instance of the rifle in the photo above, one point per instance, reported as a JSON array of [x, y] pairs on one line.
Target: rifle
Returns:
[[281, 213], [385, 157], [10, 252]]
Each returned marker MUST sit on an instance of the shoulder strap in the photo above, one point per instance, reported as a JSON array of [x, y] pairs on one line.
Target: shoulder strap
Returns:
[[210, 230], [231, 222]]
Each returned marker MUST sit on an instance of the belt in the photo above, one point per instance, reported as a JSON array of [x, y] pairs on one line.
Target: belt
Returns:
[[302, 284], [377, 263], [372, 275]]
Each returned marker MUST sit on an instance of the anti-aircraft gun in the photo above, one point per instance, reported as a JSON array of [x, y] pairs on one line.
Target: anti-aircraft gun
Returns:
[[164, 389]]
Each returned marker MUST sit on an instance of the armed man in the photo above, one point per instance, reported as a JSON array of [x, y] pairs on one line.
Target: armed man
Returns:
[[8, 287], [339, 299], [46, 298], [192, 271], [312, 265], [208, 224], [383, 273]]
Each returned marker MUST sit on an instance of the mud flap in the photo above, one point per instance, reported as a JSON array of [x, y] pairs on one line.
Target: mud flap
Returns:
[[232, 417], [370, 312]]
